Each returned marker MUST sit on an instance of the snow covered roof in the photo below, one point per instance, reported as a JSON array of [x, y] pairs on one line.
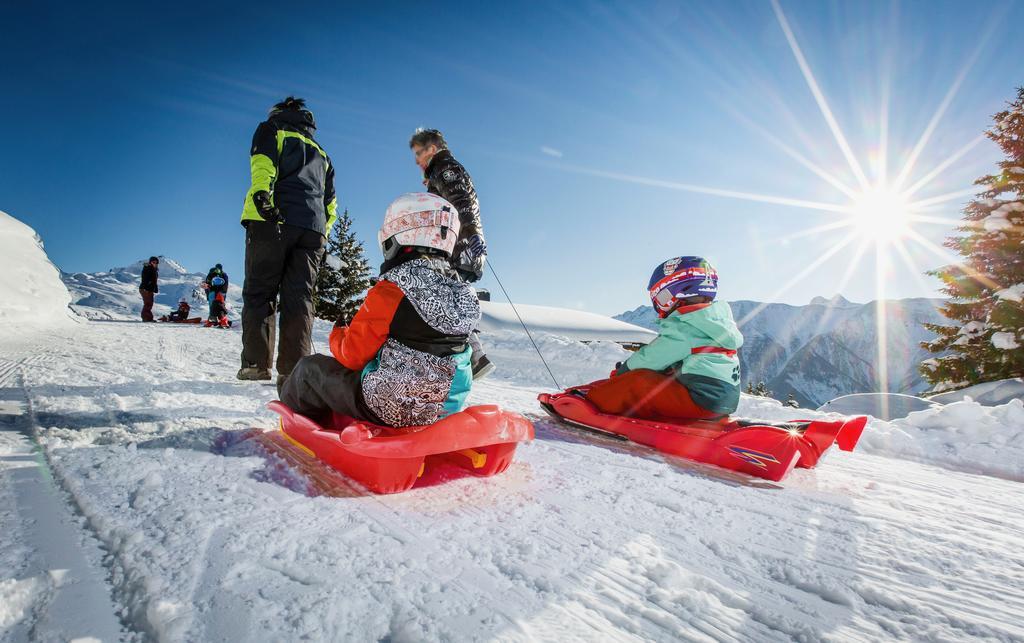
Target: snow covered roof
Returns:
[[574, 324]]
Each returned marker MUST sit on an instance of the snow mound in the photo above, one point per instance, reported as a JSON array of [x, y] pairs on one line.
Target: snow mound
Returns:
[[31, 292], [987, 394], [884, 406], [573, 324], [963, 436]]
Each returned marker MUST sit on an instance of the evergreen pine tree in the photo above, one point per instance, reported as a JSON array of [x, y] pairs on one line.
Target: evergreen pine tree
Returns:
[[986, 342], [760, 389], [791, 402], [339, 291]]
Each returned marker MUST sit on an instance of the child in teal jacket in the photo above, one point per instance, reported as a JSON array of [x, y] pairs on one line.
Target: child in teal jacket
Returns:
[[691, 370]]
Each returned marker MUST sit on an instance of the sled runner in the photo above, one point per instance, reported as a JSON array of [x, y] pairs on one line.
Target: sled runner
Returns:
[[762, 449], [480, 439]]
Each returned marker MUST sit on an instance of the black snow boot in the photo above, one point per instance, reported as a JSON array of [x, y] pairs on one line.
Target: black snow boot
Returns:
[[253, 372]]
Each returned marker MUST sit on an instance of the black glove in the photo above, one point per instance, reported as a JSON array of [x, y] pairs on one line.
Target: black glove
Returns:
[[265, 207]]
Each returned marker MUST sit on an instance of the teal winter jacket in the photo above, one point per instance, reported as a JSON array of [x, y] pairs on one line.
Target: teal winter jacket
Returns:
[[698, 344]]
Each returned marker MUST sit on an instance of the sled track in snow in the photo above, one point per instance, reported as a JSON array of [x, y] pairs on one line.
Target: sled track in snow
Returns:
[[63, 536]]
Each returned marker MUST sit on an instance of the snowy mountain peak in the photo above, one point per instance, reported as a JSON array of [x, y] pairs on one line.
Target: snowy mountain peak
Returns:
[[168, 266], [837, 301]]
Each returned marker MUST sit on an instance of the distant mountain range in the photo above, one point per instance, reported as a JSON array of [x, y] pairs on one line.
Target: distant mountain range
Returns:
[[829, 347], [114, 294]]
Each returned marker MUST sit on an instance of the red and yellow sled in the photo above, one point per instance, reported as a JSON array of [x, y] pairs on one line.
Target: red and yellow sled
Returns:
[[757, 448], [480, 439]]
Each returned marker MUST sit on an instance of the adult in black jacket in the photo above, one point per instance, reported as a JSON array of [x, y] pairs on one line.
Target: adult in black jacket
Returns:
[[217, 271], [288, 213], [221, 286], [447, 178], [148, 288]]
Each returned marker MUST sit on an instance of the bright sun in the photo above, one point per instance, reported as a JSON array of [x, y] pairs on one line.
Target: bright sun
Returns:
[[881, 214]]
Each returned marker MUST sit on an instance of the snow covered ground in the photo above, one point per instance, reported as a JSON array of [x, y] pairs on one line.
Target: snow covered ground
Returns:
[[132, 499], [200, 537]]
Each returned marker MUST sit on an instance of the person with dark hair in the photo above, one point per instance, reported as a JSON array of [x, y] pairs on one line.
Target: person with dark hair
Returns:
[[148, 288], [288, 213], [447, 178]]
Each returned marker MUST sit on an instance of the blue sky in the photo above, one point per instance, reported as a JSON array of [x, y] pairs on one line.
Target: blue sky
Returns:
[[585, 126]]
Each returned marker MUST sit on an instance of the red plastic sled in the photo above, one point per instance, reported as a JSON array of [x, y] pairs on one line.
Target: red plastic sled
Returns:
[[481, 439], [762, 449]]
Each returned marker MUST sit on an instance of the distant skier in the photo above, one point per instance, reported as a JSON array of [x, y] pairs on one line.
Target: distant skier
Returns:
[[288, 214], [691, 370], [181, 314], [404, 359], [148, 288], [216, 281], [447, 178]]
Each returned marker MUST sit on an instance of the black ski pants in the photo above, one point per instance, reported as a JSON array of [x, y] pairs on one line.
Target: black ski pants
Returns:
[[281, 263], [320, 384]]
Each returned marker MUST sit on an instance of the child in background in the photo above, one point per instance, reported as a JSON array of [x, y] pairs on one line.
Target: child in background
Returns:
[[218, 312], [691, 370], [179, 315]]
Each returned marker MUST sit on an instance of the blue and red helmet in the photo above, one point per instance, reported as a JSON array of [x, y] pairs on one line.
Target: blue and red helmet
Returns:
[[679, 279]]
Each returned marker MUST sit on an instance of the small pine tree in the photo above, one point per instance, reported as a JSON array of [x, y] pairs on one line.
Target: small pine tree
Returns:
[[339, 291], [986, 290], [760, 389], [791, 402]]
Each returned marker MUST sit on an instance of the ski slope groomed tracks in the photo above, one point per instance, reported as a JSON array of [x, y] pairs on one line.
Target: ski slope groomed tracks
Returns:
[[196, 535]]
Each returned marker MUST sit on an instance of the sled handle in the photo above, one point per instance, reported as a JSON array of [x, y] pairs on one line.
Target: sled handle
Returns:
[[355, 433]]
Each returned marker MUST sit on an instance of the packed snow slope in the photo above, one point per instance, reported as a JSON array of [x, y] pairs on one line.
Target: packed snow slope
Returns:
[[114, 294], [204, 537], [31, 293], [829, 347]]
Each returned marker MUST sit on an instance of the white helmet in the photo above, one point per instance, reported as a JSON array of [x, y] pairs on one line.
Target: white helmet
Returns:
[[419, 219]]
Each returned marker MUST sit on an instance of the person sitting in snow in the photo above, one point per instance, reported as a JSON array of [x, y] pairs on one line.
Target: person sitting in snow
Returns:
[[179, 315], [404, 360], [690, 370], [218, 312]]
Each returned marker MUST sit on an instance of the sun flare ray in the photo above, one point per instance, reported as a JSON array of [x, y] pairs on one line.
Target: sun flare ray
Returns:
[[819, 97], [941, 167], [929, 129], [700, 189], [808, 269]]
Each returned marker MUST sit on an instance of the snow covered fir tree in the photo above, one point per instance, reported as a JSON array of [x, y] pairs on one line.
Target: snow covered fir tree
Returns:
[[986, 342], [339, 290]]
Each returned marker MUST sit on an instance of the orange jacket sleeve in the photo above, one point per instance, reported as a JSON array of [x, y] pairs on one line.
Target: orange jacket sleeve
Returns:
[[356, 344]]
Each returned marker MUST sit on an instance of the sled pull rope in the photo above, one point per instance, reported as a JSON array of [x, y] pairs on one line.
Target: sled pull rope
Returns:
[[523, 324]]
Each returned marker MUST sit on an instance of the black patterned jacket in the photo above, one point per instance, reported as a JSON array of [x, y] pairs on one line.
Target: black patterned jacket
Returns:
[[410, 341]]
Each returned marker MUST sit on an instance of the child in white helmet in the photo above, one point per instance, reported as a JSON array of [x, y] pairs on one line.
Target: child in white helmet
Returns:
[[404, 360]]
